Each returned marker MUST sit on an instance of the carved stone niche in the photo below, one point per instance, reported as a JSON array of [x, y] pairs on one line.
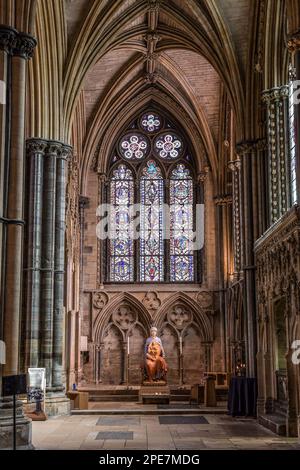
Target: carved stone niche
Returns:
[[124, 317], [180, 316], [152, 302]]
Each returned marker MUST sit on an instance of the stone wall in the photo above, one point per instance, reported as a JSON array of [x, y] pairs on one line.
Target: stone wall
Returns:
[[187, 316]]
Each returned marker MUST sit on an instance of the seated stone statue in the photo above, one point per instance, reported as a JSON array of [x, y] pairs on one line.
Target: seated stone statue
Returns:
[[155, 365]]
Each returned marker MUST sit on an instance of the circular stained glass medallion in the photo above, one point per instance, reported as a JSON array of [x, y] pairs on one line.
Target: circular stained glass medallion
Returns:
[[168, 146], [134, 146], [151, 122]]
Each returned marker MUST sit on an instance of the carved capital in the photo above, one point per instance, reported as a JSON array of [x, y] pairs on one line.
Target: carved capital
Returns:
[[203, 174], [293, 43], [7, 38], [223, 199], [275, 94], [65, 152], [36, 146], [24, 46], [53, 148]]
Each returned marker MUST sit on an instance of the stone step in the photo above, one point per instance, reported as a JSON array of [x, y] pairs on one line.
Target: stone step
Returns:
[[274, 422], [153, 412], [128, 398], [114, 397], [132, 395]]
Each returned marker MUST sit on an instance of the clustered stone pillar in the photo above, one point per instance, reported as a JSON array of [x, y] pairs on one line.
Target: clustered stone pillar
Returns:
[[35, 154], [59, 263], [235, 167], [247, 153], [46, 259], [16, 48], [48, 249], [276, 100]]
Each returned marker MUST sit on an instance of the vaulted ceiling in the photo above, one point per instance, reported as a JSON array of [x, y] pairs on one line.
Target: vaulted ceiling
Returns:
[[194, 51]]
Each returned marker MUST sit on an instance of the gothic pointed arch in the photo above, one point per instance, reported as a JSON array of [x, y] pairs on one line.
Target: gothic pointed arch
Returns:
[[191, 313], [109, 315]]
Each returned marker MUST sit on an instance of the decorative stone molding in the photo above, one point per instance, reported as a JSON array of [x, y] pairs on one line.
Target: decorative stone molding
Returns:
[[151, 301], [154, 4], [293, 43], [124, 317], [205, 299], [275, 93], [250, 146], [180, 316], [277, 255], [151, 77], [7, 38], [223, 200], [100, 299]]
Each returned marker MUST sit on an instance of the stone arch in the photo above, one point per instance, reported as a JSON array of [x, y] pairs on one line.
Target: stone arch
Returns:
[[187, 335], [124, 323], [143, 317], [196, 130], [200, 317]]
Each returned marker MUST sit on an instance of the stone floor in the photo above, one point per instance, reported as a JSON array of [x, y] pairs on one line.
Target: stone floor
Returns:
[[182, 432]]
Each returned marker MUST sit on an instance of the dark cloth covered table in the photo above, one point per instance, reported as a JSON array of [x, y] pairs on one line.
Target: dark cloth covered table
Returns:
[[242, 396]]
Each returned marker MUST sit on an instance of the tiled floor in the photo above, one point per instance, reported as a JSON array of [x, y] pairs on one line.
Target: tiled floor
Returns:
[[146, 432]]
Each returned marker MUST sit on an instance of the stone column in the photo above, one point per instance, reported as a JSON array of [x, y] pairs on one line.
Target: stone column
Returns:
[[276, 100], [48, 251], [21, 50], [246, 152], [35, 154], [235, 167], [83, 203], [59, 264], [103, 185], [6, 40], [17, 49]]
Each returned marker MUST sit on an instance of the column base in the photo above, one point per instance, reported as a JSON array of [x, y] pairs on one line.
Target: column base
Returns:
[[57, 404], [24, 429]]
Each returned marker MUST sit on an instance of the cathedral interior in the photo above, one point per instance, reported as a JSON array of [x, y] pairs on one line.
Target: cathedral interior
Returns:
[[188, 109]]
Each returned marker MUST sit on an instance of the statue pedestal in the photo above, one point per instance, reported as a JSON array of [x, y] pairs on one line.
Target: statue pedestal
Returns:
[[157, 393]]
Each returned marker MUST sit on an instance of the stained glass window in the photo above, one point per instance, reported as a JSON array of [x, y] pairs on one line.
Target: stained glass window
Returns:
[[181, 225], [134, 146], [292, 139], [159, 252], [168, 145], [151, 223], [121, 229], [151, 122]]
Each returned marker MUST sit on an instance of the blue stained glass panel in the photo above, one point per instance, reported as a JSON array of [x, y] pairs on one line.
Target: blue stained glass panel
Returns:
[[151, 223], [121, 225], [181, 225]]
